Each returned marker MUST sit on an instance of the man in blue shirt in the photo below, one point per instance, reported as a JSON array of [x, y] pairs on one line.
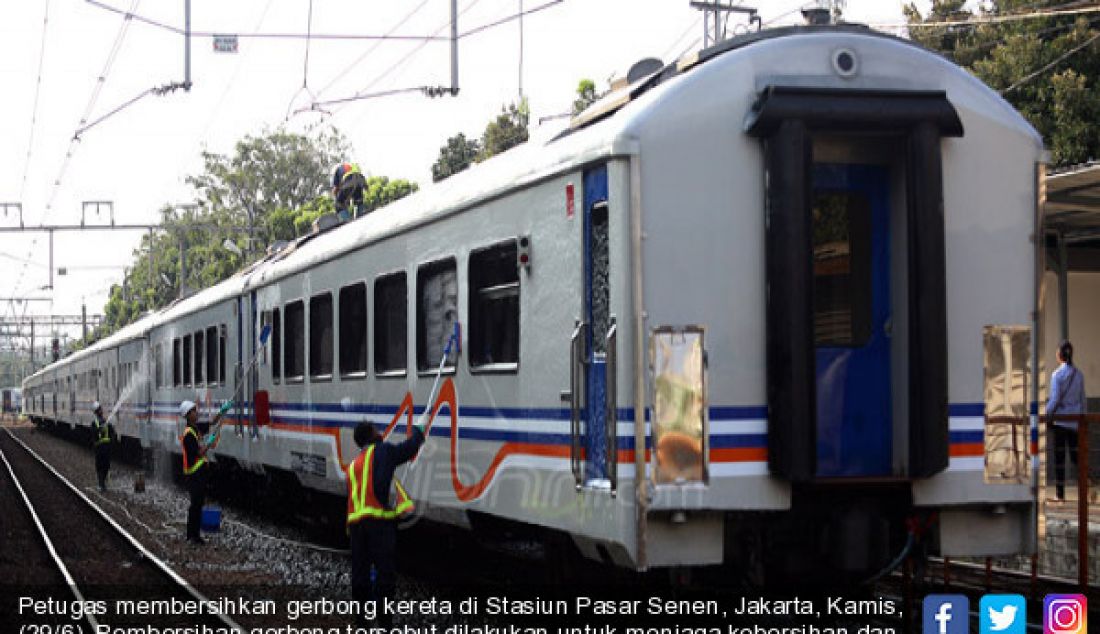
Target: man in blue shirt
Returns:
[[1067, 396]]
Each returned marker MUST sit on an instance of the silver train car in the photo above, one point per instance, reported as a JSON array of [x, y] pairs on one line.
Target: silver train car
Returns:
[[789, 281]]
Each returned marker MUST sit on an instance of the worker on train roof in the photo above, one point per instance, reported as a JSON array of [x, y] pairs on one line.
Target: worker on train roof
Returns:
[[195, 469], [348, 185], [103, 432]]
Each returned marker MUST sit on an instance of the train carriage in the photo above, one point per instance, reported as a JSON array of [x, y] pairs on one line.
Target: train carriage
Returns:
[[791, 279]]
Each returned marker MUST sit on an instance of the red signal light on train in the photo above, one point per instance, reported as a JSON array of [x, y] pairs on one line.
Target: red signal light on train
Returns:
[[523, 252]]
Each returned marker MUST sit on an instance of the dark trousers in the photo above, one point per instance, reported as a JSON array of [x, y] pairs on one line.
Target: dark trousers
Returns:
[[1064, 440], [196, 486], [102, 463], [374, 543]]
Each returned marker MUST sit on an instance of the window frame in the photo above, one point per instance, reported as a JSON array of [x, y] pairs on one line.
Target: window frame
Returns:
[[430, 368], [322, 377], [503, 367], [186, 352], [222, 343], [403, 371], [276, 344], [158, 364], [366, 332], [198, 369], [296, 378], [211, 359]]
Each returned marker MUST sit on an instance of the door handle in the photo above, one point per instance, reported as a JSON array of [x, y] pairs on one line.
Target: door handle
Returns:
[[576, 377], [611, 401]]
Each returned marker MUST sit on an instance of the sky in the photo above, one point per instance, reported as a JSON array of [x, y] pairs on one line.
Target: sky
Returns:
[[64, 60]]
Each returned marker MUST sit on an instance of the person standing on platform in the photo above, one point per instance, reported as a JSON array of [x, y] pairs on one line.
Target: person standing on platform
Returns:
[[104, 433], [373, 513], [1067, 396]]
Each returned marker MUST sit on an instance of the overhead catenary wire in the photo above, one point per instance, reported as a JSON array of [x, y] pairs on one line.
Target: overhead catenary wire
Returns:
[[37, 92], [691, 27], [364, 92], [305, 69], [101, 80], [373, 47], [991, 19], [1061, 58], [299, 36], [505, 20], [233, 78]]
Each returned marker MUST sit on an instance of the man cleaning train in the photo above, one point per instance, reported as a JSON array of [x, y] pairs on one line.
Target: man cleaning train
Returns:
[[195, 468], [373, 513], [103, 432]]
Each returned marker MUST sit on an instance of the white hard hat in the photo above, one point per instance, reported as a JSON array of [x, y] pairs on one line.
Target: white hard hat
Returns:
[[95, 406], [186, 406]]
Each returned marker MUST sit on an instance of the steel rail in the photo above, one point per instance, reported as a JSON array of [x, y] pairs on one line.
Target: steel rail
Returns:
[[48, 542], [163, 567]]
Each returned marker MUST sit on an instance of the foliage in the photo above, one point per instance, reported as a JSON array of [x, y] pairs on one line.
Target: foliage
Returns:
[[1048, 67], [586, 96], [508, 130], [456, 155], [502, 133], [271, 187]]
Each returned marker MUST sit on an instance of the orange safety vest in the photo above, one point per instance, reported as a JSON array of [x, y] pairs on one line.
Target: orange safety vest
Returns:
[[192, 468], [362, 503]]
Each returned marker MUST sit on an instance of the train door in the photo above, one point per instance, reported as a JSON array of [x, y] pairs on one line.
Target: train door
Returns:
[[238, 369], [852, 319], [598, 324]]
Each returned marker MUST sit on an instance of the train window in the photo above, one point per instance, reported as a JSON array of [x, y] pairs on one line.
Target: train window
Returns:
[[390, 324], [437, 310], [353, 329], [158, 359], [186, 353], [200, 366], [212, 355], [842, 268], [221, 355], [276, 346], [320, 336], [494, 307], [295, 341]]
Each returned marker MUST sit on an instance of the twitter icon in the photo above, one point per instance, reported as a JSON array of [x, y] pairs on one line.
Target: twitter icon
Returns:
[[1003, 614]]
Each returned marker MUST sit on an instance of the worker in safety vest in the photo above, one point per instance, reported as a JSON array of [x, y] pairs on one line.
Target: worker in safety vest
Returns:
[[348, 185], [103, 433], [373, 511], [195, 468]]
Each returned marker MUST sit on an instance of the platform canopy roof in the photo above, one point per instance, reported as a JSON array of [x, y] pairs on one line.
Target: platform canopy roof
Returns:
[[1072, 205]]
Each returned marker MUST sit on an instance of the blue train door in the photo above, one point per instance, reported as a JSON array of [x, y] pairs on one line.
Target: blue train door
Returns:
[[851, 273], [597, 314]]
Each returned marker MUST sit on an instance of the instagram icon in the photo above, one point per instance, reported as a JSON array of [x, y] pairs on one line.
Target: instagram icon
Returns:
[[1064, 614]]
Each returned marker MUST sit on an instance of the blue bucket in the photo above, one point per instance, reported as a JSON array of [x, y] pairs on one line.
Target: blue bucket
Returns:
[[211, 519]]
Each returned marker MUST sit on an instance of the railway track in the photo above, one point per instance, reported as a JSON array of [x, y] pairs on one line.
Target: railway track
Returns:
[[94, 564]]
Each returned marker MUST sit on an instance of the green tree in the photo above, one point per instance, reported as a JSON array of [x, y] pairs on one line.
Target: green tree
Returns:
[[506, 131], [275, 184], [276, 170], [586, 96], [1047, 67], [457, 154]]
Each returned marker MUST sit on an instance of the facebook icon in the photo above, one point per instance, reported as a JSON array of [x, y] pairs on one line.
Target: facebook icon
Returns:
[[946, 614]]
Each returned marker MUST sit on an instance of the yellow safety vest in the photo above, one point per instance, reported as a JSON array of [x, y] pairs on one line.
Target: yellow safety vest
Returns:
[[362, 503], [103, 433], [190, 469]]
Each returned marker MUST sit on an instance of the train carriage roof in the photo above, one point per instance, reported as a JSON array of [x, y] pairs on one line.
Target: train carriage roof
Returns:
[[605, 130]]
